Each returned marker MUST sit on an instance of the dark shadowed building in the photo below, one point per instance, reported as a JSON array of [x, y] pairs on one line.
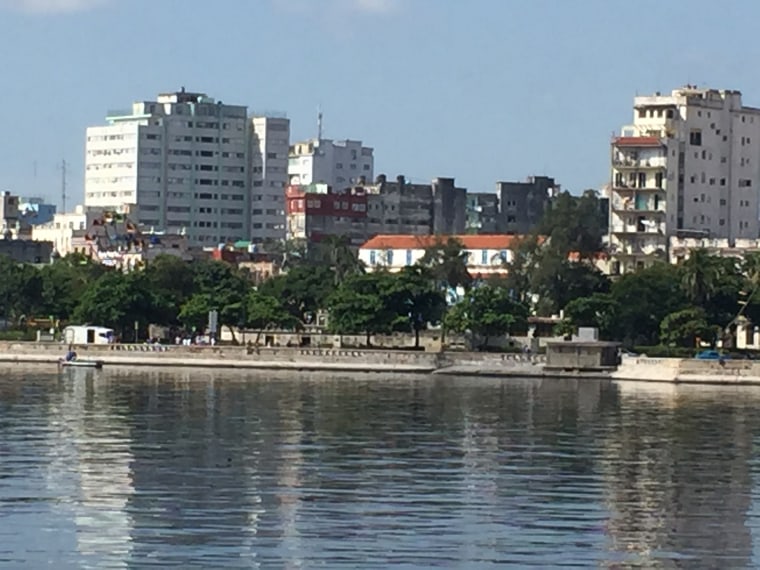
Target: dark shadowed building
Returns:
[[523, 203]]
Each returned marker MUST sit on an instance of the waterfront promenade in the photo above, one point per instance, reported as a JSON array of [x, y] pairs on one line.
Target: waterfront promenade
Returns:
[[452, 363]]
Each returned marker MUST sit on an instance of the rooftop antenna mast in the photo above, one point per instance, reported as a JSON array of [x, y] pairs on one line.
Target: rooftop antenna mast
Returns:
[[63, 185], [319, 123]]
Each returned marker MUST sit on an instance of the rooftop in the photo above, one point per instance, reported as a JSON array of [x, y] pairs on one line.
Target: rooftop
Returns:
[[637, 141], [468, 241]]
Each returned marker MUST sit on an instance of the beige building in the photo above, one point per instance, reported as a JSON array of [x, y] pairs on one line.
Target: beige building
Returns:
[[687, 166]]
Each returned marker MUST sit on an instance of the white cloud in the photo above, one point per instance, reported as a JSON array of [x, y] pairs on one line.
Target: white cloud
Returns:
[[333, 7], [376, 6], [50, 6]]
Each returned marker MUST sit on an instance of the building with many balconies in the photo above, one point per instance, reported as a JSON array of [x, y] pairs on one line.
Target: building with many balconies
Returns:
[[688, 166]]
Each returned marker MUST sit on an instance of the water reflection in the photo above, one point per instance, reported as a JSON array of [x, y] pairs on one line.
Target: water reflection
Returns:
[[132, 469]]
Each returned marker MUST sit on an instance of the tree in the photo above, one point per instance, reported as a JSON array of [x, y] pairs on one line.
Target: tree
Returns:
[[264, 312], [684, 327], [487, 312], [64, 282], [304, 290], [362, 305], [20, 290], [644, 298], [447, 262], [336, 253], [417, 300], [194, 312], [226, 290], [171, 280], [700, 276], [599, 310], [575, 224], [117, 300]]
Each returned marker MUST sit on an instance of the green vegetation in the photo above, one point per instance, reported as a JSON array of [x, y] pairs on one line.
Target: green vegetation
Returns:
[[553, 270]]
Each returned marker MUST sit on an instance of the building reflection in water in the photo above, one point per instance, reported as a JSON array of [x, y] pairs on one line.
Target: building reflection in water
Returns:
[[89, 468], [677, 467]]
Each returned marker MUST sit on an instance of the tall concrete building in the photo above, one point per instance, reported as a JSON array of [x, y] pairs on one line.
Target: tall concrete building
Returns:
[[523, 203], [339, 164], [449, 207], [186, 163], [688, 166], [270, 145]]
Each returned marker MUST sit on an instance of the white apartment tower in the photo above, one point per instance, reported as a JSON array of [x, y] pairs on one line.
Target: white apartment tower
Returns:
[[178, 164], [689, 165], [339, 164], [270, 144]]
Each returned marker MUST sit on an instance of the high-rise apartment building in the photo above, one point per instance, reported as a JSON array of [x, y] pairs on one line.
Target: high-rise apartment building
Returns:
[[186, 163], [270, 145], [689, 165], [339, 164]]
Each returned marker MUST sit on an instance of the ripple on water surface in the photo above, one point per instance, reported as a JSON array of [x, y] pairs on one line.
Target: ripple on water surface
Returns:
[[118, 469]]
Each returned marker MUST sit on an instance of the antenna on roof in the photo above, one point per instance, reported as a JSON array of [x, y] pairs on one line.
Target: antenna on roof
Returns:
[[319, 122]]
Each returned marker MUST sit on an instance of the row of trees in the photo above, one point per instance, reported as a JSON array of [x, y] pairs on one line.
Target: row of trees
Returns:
[[169, 291], [552, 270]]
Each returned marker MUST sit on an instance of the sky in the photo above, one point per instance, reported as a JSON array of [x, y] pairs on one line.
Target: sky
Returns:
[[479, 90]]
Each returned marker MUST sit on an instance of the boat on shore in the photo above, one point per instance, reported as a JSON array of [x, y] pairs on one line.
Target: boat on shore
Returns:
[[80, 363]]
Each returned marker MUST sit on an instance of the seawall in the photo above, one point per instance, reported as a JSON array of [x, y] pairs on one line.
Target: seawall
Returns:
[[454, 363]]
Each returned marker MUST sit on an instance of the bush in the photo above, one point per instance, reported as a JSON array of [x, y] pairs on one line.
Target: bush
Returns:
[[18, 335], [661, 351]]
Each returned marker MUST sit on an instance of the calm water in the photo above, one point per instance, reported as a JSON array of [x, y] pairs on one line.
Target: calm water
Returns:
[[116, 469]]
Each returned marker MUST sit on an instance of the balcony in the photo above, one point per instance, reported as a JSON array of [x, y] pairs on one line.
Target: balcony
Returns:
[[644, 227], [653, 163], [648, 207]]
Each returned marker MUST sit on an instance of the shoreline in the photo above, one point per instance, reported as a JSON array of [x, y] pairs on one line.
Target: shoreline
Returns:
[[350, 360]]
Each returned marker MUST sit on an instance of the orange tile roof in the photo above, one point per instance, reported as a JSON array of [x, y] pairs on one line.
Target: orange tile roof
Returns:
[[469, 241], [637, 141]]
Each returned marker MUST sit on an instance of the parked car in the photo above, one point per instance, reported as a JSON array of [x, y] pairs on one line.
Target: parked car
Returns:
[[711, 355]]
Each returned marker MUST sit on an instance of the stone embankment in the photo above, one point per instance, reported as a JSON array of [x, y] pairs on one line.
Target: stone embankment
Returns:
[[475, 364], [317, 359]]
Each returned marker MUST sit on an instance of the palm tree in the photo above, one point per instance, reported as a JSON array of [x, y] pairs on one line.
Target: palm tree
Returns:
[[700, 276], [447, 262], [336, 252]]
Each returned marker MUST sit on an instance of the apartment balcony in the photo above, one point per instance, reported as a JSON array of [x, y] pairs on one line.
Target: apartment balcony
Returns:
[[643, 228], [629, 187], [654, 163], [649, 208]]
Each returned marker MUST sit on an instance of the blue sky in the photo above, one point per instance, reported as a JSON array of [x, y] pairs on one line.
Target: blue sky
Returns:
[[482, 90]]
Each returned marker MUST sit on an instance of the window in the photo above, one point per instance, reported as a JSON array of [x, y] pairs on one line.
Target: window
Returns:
[[670, 113], [408, 256], [271, 155], [389, 256], [372, 257], [338, 165], [695, 137], [745, 183]]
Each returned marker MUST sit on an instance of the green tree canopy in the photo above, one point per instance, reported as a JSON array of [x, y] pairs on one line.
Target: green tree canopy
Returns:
[[684, 327], [487, 312]]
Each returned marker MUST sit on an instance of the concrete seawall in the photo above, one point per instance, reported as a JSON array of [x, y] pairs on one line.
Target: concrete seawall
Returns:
[[474, 364]]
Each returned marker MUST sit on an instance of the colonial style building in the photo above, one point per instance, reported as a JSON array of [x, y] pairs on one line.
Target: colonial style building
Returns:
[[486, 254]]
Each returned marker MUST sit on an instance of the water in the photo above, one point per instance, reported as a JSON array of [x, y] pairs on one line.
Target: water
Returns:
[[122, 469]]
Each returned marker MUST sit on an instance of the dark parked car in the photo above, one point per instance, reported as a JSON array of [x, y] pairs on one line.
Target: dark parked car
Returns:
[[711, 355]]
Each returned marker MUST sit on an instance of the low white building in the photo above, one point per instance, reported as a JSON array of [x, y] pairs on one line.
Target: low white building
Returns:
[[486, 254], [680, 248], [64, 230]]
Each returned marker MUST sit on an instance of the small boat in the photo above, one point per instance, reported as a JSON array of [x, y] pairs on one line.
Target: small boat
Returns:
[[81, 363]]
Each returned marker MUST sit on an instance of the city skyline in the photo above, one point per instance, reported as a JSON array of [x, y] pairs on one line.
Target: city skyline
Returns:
[[524, 92]]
